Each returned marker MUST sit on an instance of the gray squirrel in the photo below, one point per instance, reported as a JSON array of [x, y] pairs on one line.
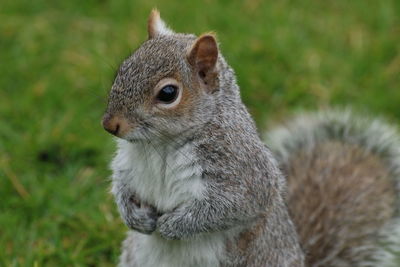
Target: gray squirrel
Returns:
[[198, 187]]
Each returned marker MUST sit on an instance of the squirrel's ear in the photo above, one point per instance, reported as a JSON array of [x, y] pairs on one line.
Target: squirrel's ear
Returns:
[[156, 26], [203, 56]]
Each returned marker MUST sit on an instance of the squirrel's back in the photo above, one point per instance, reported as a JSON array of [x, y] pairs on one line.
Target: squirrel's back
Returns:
[[343, 176]]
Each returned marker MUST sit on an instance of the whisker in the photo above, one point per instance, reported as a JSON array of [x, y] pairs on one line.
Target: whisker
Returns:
[[164, 160], [170, 142]]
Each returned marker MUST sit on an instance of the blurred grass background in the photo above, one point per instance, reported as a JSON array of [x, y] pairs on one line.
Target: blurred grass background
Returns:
[[57, 62]]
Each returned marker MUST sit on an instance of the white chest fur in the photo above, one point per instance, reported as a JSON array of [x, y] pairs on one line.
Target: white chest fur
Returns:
[[165, 178], [161, 176], [203, 251]]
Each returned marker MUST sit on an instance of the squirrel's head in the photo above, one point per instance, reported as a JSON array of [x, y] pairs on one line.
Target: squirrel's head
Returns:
[[165, 87]]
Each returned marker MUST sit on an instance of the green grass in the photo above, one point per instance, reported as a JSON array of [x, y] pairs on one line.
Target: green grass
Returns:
[[57, 62]]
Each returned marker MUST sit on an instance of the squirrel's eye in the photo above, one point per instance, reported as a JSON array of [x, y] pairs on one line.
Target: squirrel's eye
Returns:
[[167, 94]]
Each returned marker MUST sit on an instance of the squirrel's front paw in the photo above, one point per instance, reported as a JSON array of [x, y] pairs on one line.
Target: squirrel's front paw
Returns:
[[168, 226], [139, 216]]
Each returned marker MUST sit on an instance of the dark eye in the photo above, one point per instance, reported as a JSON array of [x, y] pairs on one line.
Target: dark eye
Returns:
[[168, 94]]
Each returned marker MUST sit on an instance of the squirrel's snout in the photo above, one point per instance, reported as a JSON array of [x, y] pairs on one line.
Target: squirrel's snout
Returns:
[[115, 125]]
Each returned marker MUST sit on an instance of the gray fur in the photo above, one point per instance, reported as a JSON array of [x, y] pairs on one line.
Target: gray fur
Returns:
[[243, 186], [239, 213], [308, 129], [306, 132]]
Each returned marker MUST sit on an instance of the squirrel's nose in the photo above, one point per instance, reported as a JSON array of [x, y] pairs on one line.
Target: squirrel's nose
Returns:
[[115, 125], [111, 124]]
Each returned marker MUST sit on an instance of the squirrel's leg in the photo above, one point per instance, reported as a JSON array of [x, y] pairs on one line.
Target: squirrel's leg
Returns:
[[219, 210]]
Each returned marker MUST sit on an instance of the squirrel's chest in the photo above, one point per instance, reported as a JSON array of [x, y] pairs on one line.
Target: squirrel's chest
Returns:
[[153, 250], [160, 176]]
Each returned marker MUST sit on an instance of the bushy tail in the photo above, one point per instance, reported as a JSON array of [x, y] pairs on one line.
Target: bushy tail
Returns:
[[343, 175]]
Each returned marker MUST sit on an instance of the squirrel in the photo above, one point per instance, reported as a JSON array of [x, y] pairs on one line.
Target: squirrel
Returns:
[[197, 186]]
